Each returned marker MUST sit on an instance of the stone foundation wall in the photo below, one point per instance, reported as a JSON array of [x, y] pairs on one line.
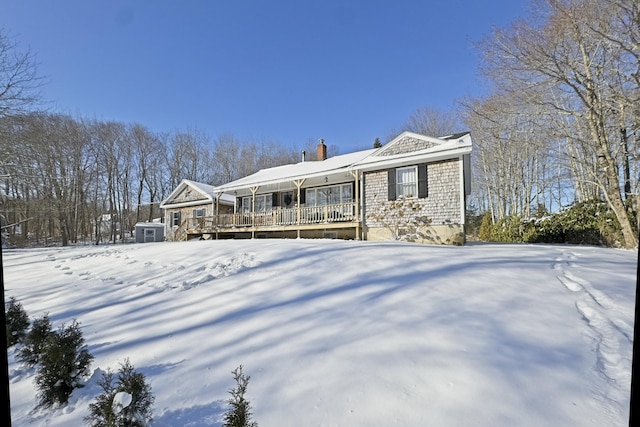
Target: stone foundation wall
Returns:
[[438, 234]]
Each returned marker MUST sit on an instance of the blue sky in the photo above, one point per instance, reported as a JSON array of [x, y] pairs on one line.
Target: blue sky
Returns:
[[280, 70]]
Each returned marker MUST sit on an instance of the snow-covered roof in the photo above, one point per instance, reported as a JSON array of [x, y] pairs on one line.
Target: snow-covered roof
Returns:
[[440, 148], [306, 169], [373, 159], [209, 192], [150, 224]]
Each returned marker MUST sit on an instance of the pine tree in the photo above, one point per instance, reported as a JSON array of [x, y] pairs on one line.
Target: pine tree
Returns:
[[17, 322], [34, 342], [127, 403], [64, 362], [101, 412], [239, 414]]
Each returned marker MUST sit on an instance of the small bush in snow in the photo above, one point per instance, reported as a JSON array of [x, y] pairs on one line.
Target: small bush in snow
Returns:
[[34, 342], [486, 227], [63, 363], [239, 414], [17, 322], [125, 402]]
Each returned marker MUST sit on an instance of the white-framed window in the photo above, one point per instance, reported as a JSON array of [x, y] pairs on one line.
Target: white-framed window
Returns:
[[198, 213], [175, 219], [407, 182], [330, 195], [264, 203], [246, 204]]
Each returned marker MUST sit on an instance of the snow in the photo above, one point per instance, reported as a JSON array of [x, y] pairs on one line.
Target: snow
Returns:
[[121, 400], [342, 333]]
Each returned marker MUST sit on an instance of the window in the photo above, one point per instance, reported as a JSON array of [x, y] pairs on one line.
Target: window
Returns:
[[246, 204], [330, 195], [412, 181], [175, 219], [264, 202], [198, 213], [407, 182]]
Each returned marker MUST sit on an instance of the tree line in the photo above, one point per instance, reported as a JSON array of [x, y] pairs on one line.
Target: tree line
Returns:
[[78, 179]]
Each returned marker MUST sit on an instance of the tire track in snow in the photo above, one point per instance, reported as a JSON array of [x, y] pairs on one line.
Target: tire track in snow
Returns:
[[608, 333]]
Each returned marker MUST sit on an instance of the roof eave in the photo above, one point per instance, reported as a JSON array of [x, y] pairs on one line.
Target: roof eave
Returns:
[[411, 158]]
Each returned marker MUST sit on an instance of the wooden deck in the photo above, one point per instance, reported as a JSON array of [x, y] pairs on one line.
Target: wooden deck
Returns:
[[328, 217]]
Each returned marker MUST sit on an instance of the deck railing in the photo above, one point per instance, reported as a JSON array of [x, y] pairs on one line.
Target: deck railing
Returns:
[[343, 212]]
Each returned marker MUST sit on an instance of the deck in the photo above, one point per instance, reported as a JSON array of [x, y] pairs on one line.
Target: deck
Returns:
[[327, 217]]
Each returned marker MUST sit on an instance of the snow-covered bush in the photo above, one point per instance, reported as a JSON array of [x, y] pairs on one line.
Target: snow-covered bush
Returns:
[[17, 322], [239, 414], [126, 401], [34, 342], [63, 363]]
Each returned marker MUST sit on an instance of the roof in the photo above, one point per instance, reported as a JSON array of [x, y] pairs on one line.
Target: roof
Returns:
[[449, 146], [440, 148], [209, 192], [150, 224], [455, 135], [291, 172]]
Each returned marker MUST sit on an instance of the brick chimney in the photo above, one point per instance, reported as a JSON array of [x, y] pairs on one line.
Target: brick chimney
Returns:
[[322, 150]]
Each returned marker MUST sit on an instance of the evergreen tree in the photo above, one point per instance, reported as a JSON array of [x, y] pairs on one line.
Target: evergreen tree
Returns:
[[125, 402], [17, 322], [239, 414], [486, 227], [34, 342], [64, 362], [377, 143]]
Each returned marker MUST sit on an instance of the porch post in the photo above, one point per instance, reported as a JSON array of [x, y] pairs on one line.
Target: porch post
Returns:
[[298, 183], [356, 175], [217, 213], [254, 190]]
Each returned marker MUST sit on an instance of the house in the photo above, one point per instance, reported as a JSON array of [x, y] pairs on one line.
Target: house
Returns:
[[413, 188], [192, 206]]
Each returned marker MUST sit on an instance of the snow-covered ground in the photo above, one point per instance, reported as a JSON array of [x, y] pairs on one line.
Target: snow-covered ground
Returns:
[[343, 333]]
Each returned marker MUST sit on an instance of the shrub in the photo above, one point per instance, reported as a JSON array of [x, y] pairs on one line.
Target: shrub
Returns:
[[17, 322], [507, 229], [34, 342], [239, 414], [125, 402], [63, 363], [486, 227], [591, 222]]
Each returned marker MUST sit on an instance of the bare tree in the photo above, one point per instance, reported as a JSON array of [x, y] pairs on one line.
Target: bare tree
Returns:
[[560, 63], [515, 157], [19, 81], [432, 121]]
